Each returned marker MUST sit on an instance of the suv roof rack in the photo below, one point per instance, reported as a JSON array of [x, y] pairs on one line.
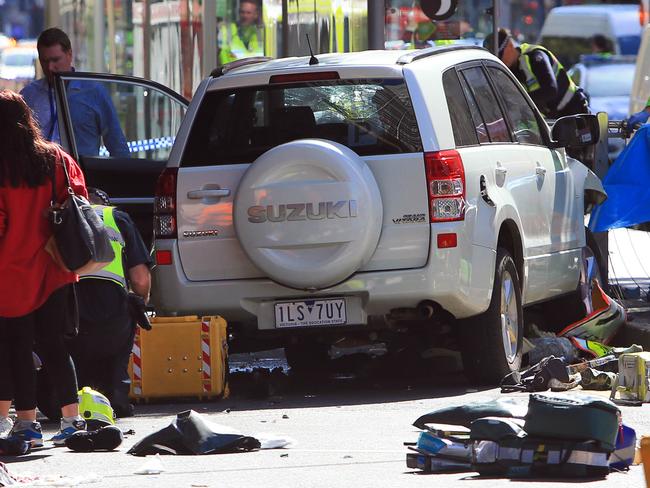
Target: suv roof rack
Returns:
[[418, 54], [222, 70]]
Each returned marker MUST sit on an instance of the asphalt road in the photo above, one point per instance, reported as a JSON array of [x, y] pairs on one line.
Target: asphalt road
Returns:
[[349, 431]]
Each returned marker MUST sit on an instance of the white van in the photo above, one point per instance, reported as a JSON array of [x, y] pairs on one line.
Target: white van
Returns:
[[567, 31], [641, 84]]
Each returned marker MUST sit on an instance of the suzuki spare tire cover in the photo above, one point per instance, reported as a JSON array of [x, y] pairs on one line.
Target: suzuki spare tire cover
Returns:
[[308, 213]]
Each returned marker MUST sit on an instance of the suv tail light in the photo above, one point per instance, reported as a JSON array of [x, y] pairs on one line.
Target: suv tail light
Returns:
[[446, 184], [164, 205]]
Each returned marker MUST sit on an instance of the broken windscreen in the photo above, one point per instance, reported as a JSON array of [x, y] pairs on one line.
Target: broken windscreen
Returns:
[[370, 117]]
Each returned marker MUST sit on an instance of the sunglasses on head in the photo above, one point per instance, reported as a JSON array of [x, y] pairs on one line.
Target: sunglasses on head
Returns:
[[502, 46]]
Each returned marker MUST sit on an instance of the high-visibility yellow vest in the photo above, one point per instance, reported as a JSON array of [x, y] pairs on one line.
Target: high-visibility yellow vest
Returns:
[[114, 271], [233, 47], [565, 84]]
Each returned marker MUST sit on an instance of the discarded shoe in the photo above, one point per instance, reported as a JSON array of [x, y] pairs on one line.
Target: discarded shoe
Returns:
[[104, 439], [67, 429], [27, 431], [592, 379], [14, 447], [124, 410]]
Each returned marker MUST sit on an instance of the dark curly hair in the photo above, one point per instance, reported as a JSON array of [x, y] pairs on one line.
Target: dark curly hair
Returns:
[[26, 158]]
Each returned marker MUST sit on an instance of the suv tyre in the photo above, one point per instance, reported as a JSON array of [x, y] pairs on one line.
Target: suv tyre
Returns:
[[567, 309], [491, 343]]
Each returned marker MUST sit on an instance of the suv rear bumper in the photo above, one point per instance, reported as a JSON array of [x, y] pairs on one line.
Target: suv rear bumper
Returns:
[[448, 279]]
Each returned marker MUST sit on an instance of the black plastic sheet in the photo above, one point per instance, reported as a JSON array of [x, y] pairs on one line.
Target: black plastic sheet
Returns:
[[190, 433]]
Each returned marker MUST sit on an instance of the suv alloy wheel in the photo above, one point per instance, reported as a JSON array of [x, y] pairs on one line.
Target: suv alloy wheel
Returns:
[[491, 343]]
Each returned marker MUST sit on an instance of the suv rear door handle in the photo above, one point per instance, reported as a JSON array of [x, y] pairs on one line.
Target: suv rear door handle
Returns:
[[217, 193], [500, 170], [540, 170]]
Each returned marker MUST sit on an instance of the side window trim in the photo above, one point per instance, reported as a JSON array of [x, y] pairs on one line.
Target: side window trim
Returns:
[[469, 93], [456, 72], [467, 85], [502, 106], [544, 129]]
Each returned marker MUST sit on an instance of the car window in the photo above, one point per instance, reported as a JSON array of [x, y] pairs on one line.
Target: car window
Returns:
[[121, 119], [609, 80], [477, 118], [495, 123], [237, 125], [521, 116], [461, 119]]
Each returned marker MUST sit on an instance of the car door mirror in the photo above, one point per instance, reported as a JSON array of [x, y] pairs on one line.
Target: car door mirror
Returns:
[[575, 131]]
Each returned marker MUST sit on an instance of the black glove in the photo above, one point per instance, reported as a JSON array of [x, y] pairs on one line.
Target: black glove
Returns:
[[138, 311]]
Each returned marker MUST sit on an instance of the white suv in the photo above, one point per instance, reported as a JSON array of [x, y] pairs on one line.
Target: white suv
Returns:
[[369, 193]]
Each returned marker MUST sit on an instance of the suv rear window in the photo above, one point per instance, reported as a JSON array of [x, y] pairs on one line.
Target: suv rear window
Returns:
[[370, 117]]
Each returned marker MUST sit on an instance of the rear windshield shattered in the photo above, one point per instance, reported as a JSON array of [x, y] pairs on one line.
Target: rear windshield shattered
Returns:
[[371, 117]]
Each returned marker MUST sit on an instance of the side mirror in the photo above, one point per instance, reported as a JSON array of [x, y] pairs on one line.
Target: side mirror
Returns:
[[576, 131]]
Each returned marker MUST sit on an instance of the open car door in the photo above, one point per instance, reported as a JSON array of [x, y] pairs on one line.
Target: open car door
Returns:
[[120, 129]]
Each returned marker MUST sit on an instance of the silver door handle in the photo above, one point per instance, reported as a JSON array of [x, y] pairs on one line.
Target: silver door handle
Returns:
[[500, 171], [198, 194], [540, 171]]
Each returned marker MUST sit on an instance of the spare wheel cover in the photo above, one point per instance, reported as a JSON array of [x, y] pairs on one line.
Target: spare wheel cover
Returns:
[[308, 213]]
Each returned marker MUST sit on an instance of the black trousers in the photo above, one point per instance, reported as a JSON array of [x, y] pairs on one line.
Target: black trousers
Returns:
[[43, 328], [101, 353]]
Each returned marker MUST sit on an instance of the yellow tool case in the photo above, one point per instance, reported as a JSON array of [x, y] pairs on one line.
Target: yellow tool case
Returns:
[[180, 357]]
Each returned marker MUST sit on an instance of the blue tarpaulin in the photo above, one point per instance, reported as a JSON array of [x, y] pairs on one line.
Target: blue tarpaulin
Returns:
[[627, 184]]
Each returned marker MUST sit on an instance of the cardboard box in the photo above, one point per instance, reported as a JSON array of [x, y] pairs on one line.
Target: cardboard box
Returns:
[[180, 357]]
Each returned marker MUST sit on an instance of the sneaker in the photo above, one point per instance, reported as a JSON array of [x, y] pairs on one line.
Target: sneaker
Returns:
[[28, 432], [6, 424], [14, 447], [67, 429], [104, 439], [126, 410]]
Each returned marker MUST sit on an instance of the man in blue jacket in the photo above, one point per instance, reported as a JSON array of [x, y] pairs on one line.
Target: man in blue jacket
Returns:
[[92, 111]]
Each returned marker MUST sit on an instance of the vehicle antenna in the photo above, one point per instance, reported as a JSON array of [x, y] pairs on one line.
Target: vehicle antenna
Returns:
[[313, 60]]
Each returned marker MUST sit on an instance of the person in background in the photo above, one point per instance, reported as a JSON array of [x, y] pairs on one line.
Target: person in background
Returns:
[[601, 46], [243, 39], [638, 118], [543, 76], [92, 112], [102, 348], [37, 304]]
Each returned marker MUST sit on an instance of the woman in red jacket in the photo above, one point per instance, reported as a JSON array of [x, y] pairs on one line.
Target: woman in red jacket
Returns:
[[35, 293]]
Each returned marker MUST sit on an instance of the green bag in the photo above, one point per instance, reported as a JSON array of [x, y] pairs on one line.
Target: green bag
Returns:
[[579, 418]]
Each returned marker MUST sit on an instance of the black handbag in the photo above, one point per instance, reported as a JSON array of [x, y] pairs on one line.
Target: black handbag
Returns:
[[82, 241]]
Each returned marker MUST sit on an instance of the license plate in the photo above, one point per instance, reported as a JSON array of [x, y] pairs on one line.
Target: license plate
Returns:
[[310, 313]]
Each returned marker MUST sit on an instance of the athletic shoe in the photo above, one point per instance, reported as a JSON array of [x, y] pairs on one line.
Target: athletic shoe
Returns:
[[13, 446], [67, 429], [124, 410], [104, 439], [28, 432], [6, 424]]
